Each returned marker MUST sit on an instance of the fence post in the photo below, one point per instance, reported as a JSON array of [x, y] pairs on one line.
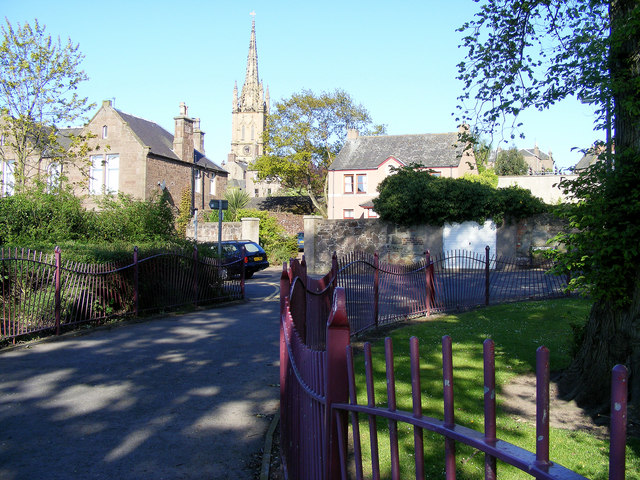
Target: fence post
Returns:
[[376, 288], [619, 387], [195, 275], [57, 294], [542, 406], [334, 269], [428, 270], [449, 412], [135, 280], [488, 349], [486, 276], [243, 259], [285, 287], [336, 381]]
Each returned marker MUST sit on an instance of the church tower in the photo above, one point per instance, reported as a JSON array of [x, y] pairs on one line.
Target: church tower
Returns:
[[249, 110]]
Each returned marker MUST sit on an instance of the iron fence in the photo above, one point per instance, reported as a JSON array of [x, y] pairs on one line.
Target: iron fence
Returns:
[[39, 292], [318, 388]]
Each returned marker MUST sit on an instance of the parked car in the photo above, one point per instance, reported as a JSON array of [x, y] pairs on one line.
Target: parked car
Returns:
[[255, 258], [301, 241]]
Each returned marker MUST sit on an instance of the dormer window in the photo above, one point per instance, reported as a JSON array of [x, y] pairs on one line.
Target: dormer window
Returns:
[[104, 131]]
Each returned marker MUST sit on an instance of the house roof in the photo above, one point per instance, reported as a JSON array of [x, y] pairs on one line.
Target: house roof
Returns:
[[530, 152], [586, 161], [160, 142], [428, 150]]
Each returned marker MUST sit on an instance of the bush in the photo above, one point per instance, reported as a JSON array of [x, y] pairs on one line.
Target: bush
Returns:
[[125, 218], [279, 246], [36, 215], [413, 196]]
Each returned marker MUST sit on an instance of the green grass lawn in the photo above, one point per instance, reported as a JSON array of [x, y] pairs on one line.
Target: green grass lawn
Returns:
[[518, 330]]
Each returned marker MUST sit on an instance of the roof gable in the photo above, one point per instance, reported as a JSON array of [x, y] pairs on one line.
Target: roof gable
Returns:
[[428, 150]]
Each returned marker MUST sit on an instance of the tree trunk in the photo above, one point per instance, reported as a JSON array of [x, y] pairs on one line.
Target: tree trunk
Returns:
[[611, 337], [612, 333]]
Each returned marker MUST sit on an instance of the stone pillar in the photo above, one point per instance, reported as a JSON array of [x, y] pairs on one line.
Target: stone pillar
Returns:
[[310, 223], [251, 229]]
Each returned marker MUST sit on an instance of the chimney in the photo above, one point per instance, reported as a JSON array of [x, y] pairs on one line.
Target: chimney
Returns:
[[183, 137], [352, 134], [106, 103], [198, 137]]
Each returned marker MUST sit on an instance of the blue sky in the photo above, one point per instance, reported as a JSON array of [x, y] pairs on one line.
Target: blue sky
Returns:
[[397, 59]]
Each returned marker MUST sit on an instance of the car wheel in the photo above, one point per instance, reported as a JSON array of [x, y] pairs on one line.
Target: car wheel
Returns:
[[248, 274]]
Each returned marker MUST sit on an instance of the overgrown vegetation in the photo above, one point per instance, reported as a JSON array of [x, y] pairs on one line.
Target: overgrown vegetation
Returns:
[[413, 196]]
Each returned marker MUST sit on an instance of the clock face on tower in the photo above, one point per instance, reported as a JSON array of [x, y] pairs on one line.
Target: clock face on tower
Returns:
[[246, 149]]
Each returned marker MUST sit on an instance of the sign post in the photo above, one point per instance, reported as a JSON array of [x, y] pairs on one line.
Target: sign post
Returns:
[[219, 205]]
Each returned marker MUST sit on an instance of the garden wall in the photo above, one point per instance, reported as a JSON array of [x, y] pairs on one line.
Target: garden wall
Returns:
[[398, 245], [247, 229]]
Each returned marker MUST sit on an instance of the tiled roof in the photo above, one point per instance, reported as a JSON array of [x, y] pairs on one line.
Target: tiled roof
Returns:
[[429, 150], [160, 142], [530, 152]]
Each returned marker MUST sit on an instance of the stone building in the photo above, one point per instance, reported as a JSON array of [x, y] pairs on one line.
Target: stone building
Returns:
[[139, 158], [249, 114]]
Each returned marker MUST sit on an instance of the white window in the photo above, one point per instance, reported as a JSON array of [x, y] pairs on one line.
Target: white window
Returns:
[[348, 184], [7, 178], [104, 174], [198, 181], [348, 213], [372, 213], [362, 183], [54, 172], [104, 131]]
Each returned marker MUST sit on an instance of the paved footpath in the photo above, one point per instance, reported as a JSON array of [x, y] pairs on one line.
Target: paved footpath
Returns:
[[177, 397]]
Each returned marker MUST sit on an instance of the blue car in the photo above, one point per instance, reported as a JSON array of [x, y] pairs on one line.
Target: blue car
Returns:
[[255, 258], [300, 241]]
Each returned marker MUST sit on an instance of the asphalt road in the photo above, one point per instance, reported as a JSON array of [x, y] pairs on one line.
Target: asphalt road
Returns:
[[175, 397]]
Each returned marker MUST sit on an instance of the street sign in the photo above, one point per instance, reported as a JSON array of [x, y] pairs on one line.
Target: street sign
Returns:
[[219, 204]]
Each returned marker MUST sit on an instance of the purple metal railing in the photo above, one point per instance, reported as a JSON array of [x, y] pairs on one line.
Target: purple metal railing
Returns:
[[379, 293], [537, 465], [318, 397], [39, 292]]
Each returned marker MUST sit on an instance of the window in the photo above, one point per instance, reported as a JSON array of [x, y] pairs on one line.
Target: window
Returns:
[[54, 172], [104, 174], [198, 181], [212, 184], [362, 183], [348, 184], [436, 174], [7, 178], [371, 213], [255, 193], [252, 132], [104, 131], [348, 213]]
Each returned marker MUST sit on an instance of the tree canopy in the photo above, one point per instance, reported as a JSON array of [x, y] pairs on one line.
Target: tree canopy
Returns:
[[531, 54], [39, 77], [511, 162], [303, 135]]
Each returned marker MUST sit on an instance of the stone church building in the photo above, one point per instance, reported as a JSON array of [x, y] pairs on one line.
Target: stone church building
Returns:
[[248, 121]]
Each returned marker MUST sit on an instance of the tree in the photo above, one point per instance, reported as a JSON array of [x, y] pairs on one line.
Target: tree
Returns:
[[524, 54], [511, 162], [237, 200], [39, 77], [303, 135]]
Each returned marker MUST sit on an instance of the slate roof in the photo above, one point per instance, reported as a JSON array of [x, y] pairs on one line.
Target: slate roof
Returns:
[[530, 152], [429, 150], [160, 142]]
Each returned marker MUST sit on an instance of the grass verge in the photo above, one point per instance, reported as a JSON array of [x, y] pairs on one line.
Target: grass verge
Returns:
[[518, 330]]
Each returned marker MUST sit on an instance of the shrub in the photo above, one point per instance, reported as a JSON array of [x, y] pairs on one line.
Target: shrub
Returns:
[[413, 196]]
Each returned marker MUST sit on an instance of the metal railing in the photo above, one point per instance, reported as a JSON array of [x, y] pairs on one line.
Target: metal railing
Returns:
[[318, 393], [38, 293]]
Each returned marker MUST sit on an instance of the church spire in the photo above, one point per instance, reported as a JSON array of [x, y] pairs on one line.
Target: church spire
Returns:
[[251, 96]]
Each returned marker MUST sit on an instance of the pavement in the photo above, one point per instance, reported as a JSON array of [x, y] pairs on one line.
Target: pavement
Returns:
[[172, 397]]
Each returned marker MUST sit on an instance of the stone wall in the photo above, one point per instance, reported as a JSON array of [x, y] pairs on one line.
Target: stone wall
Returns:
[[247, 229], [398, 245]]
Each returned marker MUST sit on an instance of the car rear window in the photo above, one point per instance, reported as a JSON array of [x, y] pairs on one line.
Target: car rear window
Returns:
[[251, 248]]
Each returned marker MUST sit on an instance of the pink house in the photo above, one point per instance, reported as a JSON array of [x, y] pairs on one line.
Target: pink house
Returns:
[[364, 161]]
